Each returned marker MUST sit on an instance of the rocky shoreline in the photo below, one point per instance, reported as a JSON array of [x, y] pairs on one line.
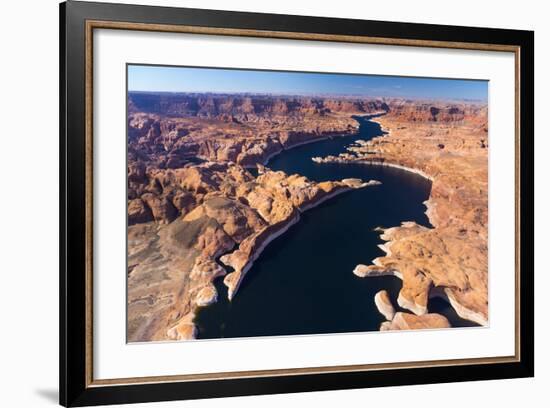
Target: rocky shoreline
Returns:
[[234, 259], [464, 284], [266, 160], [332, 159]]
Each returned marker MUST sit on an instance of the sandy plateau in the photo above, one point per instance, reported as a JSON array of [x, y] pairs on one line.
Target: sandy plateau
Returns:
[[195, 210]]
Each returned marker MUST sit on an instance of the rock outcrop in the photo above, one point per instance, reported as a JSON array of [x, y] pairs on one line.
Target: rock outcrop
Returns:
[[384, 305], [408, 321]]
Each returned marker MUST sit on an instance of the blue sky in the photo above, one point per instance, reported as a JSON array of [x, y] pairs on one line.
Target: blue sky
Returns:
[[183, 79]]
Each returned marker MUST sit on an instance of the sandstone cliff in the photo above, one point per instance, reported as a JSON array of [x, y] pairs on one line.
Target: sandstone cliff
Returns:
[[168, 130]]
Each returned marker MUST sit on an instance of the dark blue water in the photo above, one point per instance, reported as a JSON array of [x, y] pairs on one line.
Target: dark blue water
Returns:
[[303, 282]]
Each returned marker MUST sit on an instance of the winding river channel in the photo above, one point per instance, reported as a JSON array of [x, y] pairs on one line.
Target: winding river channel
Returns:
[[302, 283]]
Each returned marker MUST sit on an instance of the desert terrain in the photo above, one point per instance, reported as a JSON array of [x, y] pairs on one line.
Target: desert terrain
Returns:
[[202, 202]]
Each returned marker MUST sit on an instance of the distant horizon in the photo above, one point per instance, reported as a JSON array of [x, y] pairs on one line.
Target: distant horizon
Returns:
[[312, 95], [179, 80]]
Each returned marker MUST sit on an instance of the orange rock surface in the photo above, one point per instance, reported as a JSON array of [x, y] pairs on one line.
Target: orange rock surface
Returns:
[[408, 321]]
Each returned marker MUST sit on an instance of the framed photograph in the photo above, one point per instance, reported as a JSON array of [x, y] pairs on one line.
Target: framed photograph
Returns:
[[256, 203]]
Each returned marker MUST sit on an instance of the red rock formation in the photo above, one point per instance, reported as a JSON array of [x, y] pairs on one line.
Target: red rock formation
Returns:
[[408, 321], [167, 130]]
